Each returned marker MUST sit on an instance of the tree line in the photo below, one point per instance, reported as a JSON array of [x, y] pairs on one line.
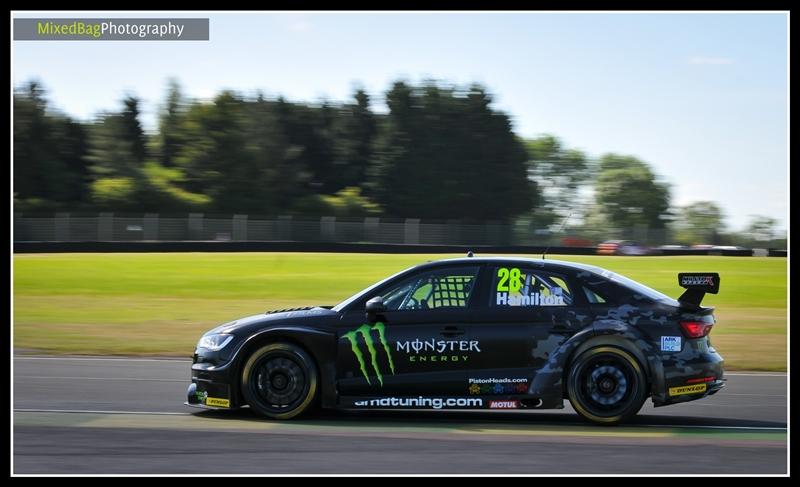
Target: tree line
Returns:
[[438, 153]]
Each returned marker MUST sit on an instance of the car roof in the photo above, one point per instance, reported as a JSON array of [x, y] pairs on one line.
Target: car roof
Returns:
[[543, 263]]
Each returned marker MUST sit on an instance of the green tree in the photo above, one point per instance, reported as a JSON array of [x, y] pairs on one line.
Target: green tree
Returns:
[[170, 124], [132, 129], [445, 153], [761, 228], [629, 195], [117, 143], [559, 174], [700, 223], [118, 154], [218, 159], [239, 153], [309, 132], [354, 136], [50, 152], [114, 193], [349, 202]]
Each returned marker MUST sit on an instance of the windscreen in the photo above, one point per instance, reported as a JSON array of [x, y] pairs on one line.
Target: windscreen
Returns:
[[339, 307]]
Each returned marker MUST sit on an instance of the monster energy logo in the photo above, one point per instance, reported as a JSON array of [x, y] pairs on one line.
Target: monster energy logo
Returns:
[[366, 331]]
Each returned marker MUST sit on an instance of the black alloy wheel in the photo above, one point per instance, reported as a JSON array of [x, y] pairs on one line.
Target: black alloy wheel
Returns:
[[279, 381], [607, 385]]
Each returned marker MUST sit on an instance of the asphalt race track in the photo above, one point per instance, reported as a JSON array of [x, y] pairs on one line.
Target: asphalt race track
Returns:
[[82, 415]]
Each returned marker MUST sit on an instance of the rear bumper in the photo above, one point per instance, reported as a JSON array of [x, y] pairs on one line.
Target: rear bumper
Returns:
[[692, 374], [692, 392]]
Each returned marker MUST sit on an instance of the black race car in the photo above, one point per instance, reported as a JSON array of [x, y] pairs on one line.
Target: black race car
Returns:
[[471, 333]]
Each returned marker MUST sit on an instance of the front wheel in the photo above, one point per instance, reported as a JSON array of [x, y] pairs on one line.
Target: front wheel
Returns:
[[279, 381], [606, 385]]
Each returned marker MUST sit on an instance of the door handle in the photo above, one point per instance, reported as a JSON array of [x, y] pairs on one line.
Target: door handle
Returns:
[[452, 331]]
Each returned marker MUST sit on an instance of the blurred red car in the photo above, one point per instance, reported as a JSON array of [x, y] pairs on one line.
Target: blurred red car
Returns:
[[621, 247], [575, 242]]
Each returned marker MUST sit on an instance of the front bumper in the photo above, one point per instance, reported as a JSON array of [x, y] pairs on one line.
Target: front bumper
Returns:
[[212, 387], [200, 399]]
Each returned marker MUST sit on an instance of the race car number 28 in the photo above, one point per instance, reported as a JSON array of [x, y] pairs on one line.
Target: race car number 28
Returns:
[[510, 280]]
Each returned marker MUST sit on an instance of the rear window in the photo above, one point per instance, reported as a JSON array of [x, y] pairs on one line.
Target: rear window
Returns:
[[640, 288], [628, 284]]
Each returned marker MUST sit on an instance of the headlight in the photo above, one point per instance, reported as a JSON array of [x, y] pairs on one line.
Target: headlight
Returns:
[[214, 342]]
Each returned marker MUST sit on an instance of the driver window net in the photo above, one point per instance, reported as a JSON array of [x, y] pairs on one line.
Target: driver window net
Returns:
[[451, 291]]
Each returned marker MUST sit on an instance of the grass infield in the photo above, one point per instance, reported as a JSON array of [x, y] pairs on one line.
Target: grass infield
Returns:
[[160, 303]]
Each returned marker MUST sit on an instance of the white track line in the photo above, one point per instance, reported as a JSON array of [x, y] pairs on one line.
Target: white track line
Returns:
[[95, 359], [769, 428], [755, 375], [100, 378], [165, 413], [179, 360], [759, 405], [766, 428], [757, 395]]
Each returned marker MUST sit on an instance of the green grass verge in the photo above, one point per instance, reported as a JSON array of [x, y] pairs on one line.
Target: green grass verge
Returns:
[[160, 304]]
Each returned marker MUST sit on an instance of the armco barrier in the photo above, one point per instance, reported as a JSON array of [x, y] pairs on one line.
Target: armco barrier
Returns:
[[285, 246], [725, 252], [290, 246], [80, 231]]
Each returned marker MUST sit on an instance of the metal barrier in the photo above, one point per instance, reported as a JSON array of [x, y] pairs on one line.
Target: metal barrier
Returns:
[[107, 227], [63, 232]]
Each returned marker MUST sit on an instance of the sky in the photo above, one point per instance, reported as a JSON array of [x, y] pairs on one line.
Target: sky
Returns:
[[701, 97]]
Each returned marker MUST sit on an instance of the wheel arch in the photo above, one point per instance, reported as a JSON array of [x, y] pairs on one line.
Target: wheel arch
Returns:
[[617, 341], [319, 345], [628, 338]]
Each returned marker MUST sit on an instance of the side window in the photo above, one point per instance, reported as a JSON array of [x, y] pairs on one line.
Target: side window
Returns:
[[592, 297], [514, 286], [443, 288], [599, 290]]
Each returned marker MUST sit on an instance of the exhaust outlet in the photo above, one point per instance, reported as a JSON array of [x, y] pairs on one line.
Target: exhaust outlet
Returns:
[[532, 403]]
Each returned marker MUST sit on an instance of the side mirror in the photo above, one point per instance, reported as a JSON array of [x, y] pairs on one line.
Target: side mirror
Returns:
[[375, 306]]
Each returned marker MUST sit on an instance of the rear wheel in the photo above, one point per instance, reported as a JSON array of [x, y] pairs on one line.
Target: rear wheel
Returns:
[[606, 385], [279, 381]]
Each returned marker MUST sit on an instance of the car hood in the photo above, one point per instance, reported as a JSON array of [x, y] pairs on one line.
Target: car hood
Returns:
[[288, 316]]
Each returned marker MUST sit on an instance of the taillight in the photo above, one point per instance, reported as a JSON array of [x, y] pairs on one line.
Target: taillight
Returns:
[[701, 379], [695, 329]]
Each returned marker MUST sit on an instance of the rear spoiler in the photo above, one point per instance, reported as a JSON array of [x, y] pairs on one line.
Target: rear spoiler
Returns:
[[697, 284]]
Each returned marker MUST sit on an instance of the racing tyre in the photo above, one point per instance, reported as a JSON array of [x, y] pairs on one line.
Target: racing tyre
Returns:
[[606, 385], [279, 381]]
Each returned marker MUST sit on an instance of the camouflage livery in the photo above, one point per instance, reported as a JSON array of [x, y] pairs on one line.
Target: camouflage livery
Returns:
[[483, 348]]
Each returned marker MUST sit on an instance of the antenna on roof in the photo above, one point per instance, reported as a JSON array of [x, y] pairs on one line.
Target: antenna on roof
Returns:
[[469, 253], [559, 231]]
